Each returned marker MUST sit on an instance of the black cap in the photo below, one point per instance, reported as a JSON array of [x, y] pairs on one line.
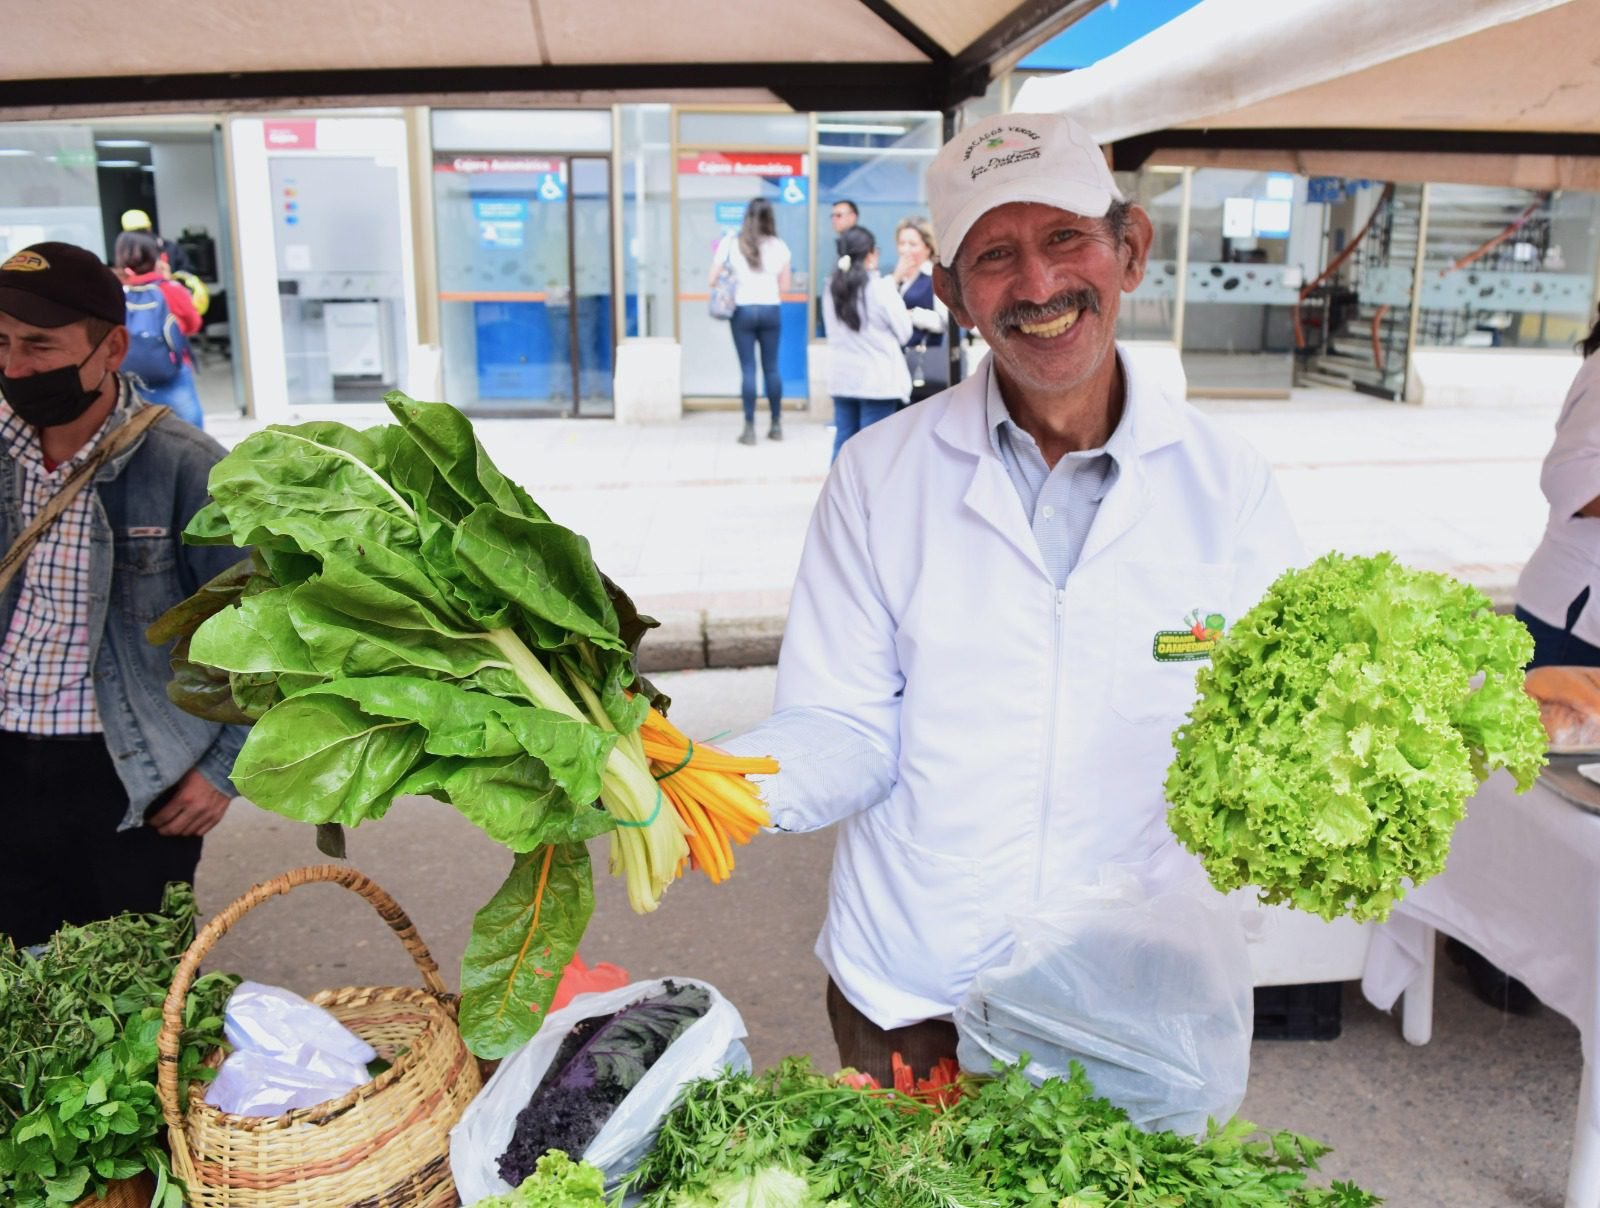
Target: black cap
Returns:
[[53, 284]]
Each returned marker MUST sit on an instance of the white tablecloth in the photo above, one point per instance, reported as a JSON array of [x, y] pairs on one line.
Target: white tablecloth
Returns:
[[1522, 887]]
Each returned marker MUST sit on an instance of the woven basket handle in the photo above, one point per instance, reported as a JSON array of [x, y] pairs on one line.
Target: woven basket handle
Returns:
[[167, 1043]]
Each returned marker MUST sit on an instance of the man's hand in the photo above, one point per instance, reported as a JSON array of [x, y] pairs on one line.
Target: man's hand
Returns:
[[193, 809]]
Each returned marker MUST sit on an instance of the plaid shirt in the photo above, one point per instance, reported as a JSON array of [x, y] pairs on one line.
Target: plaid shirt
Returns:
[[46, 686]]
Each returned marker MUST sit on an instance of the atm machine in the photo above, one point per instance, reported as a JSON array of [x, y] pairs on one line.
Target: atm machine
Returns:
[[340, 281]]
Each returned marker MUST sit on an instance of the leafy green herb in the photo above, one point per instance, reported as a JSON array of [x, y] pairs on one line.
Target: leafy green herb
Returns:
[[557, 1182], [1341, 727], [78, 1029], [412, 622], [1005, 1143]]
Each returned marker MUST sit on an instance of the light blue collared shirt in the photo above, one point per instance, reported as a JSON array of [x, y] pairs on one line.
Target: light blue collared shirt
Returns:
[[1059, 501]]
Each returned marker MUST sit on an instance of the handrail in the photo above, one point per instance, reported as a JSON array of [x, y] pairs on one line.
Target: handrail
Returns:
[[1337, 264], [1516, 224]]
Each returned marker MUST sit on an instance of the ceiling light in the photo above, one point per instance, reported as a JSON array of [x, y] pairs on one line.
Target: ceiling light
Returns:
[[147, 167], [121, 142], [120, 163], [857, 128], [13, 152]]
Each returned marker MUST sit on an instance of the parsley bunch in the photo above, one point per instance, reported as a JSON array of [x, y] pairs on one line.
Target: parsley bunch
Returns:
[[792, 1138], [78, 1026]]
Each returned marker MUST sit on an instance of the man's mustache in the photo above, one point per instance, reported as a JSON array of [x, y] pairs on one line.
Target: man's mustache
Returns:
[[1042, 312]]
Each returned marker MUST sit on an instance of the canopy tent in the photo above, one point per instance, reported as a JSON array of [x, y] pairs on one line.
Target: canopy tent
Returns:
[[1477, 91], [99, 57]]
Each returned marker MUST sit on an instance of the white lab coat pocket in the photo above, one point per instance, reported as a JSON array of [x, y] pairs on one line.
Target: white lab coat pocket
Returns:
[[1168, 615]]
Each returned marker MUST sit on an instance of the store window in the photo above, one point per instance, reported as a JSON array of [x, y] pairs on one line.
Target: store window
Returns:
[[48, 187], [524, 238], [878, 161], [1508, 268], [1150, 312], [724, 160], [1244, 276]]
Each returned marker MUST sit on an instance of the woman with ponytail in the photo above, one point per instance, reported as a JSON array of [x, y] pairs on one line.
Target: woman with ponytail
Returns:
[[867, 325]]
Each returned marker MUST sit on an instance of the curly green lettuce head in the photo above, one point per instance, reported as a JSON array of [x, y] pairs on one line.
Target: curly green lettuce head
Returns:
[[1341, 727]]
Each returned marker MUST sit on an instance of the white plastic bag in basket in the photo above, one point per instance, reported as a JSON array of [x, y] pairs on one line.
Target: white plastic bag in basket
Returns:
[[1148, 989], [704, 1049], [287, 1053]]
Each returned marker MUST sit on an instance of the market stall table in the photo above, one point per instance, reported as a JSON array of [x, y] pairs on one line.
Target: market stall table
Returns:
[[1522, 887]]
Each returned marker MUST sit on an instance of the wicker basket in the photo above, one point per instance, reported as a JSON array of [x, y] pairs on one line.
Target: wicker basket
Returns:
[[386, 1143], [136, 1192]]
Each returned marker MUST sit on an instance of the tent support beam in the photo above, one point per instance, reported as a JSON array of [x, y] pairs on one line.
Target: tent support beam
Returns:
[[1131, 153], [803, 86]]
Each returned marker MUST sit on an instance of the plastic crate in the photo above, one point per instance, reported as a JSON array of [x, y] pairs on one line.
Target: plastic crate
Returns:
[[1308, 1012]]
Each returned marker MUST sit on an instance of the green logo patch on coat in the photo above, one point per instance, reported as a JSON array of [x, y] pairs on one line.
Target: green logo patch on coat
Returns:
[[1191, 644]]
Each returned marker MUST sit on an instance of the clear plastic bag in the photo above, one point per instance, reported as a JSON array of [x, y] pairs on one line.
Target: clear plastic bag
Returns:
[[1150, 990], [287, 1053], [705, 1048]]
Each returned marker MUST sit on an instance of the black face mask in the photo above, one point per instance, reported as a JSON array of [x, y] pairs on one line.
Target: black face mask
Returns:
[[51, 398]]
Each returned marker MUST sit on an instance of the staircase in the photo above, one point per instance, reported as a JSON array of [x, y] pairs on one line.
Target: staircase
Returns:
[[1357, 320], [1365, 308]]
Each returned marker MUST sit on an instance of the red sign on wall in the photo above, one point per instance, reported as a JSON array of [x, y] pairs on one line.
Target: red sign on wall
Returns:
[[497, 164], [290, 135], [740, 163]]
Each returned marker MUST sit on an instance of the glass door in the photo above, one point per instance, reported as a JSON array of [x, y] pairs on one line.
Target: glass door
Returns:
[[524, 245], [714, 187]]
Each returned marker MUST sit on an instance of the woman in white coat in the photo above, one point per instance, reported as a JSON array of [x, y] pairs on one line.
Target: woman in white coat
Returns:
[[866, 323]]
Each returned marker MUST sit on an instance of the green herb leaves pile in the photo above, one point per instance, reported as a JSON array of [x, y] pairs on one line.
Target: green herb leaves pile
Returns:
[[78, 1028], [793, 1139], [1341, 727]]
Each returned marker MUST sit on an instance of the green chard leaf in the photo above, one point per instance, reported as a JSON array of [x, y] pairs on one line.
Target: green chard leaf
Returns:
[[520, 943]]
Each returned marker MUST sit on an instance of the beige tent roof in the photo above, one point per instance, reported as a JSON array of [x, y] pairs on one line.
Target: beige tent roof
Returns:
[[78, 56], [1490, 91]]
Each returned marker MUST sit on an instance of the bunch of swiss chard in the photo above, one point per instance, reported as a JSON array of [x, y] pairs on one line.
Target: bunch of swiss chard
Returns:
[[79, 1020], [410, 621], [792, 1138], [1341, 727]]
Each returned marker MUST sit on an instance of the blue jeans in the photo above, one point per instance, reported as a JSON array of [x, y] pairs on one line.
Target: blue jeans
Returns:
[[850, 415], [181, 395], [1554, 647], [752, 325]]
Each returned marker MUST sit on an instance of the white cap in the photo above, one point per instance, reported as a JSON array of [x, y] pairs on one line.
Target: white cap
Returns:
[[1040, 157]]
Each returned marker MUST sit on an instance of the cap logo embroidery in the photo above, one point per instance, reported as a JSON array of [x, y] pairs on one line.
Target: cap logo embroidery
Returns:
[[1002, 147], [25, 262]]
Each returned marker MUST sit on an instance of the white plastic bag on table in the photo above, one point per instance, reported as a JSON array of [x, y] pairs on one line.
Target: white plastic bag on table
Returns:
[[1149, 989], [705, 1048]]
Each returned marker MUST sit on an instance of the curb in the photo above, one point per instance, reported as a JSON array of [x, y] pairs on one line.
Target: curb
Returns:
[[696, 641]]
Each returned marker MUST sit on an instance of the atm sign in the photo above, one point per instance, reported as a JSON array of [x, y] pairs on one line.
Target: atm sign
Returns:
[[732, 163]]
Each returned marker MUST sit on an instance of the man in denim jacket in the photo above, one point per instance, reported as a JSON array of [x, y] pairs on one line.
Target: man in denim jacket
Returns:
[[108, 787]]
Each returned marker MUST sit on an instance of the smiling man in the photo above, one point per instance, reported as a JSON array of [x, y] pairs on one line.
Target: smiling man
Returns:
[[108, 785], [991, 636]]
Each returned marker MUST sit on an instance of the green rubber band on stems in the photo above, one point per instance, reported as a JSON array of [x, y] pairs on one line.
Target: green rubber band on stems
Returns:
[[682, 764], [654, 814]]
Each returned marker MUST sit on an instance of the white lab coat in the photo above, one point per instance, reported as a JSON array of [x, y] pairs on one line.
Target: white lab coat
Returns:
[[1568, 557], [1030, 728]]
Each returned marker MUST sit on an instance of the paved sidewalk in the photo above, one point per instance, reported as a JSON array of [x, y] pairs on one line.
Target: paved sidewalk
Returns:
[[706, 533]]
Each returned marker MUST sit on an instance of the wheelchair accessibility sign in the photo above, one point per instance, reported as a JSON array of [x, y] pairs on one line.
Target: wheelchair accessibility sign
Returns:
[[551, 188], [792, 190]]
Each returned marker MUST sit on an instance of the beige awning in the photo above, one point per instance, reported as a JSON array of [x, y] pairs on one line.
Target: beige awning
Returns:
[[1480, 91], [96, 56]]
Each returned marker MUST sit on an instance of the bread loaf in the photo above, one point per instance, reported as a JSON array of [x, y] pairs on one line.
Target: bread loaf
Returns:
[[1569, 705]]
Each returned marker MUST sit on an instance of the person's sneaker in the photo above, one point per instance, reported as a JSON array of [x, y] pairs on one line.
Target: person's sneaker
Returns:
[[748, 436], [1490, 983], [776, 431]]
